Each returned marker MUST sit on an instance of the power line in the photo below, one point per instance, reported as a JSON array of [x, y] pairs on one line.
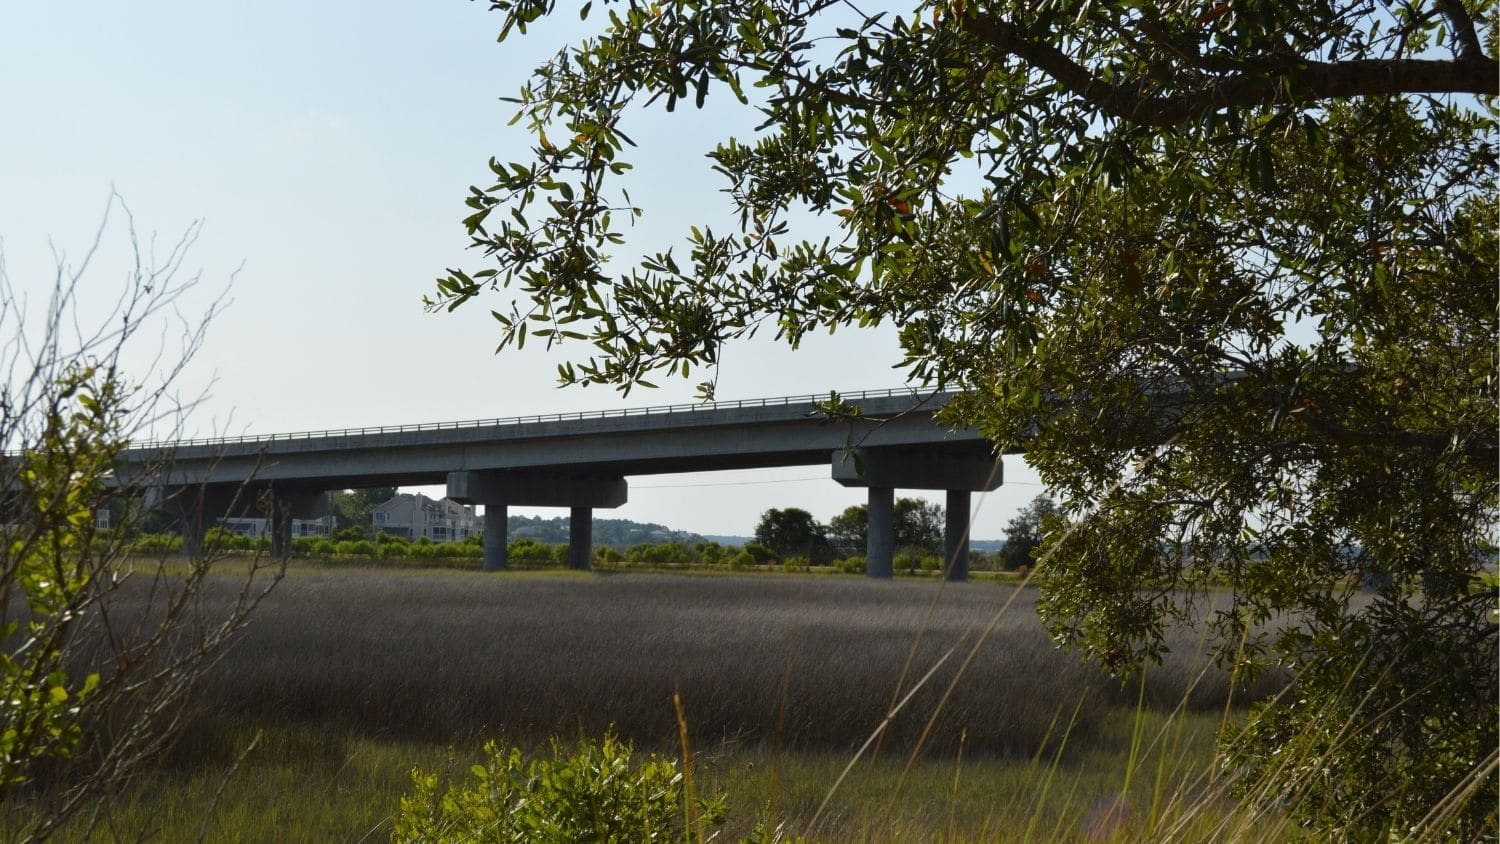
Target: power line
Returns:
[[775, 481], [731, 483]]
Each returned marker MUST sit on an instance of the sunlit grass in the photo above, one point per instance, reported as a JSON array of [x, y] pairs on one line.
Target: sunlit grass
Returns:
[[305, 784]]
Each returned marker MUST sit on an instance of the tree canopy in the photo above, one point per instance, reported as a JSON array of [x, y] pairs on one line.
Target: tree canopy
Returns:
[[916, 524], [793, 532], [1226, 271], [1023, 533]]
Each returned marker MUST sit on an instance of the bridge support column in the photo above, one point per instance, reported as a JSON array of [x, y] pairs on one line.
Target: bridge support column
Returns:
[[884, 470], [194, 508], [496, 536], [956, 536], [581, 538], [284, 504], [880, 543], [498, 489]]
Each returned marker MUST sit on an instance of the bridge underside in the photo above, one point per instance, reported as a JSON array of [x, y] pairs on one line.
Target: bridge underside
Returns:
[[584, 463]]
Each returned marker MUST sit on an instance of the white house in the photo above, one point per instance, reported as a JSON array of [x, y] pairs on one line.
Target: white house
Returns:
[[414, 515], [258, 526]]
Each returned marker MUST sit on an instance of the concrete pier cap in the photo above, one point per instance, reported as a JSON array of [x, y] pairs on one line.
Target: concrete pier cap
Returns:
[[498, 489], [884, 470], [537, 489], [915, 468]]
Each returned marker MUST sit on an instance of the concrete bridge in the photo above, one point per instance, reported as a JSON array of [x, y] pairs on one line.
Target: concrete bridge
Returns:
[[580, 461]]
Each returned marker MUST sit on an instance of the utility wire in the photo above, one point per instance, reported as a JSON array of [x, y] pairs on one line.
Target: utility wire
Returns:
[[775, 481]]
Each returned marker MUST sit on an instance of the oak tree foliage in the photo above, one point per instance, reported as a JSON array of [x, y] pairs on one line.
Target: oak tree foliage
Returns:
[[1023, 533], [793, 532], [1226, 271]]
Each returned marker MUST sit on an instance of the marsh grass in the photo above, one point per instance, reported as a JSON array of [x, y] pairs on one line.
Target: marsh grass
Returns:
[[350, 677], [315, 785]]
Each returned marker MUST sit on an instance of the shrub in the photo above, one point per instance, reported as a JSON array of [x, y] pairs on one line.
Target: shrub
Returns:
[[220, 537], [854, 564], [324, 547], [909, 560], [529, 551], [596, 793], [608, 554], [464, 549], [759, 552], [353, 533], [742, 560], [664, 552], [157, 543], [355, 548]]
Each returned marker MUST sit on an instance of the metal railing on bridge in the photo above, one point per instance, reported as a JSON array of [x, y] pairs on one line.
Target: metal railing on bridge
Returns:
[[690, 407]]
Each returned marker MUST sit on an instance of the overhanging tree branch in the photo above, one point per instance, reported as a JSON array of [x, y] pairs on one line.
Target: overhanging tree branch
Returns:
[[1299, 79]]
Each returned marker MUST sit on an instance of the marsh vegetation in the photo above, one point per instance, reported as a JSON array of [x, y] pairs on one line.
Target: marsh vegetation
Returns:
[[348, 678]]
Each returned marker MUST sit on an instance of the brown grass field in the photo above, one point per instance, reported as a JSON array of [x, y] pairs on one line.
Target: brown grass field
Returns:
[[789, 671], [801, 661]]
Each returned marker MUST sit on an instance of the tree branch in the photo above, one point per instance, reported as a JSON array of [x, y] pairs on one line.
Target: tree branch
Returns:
[[1302, 79], [1463, 29]]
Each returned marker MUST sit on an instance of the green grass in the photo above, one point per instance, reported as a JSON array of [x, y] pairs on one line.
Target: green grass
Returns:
[[304, 784]]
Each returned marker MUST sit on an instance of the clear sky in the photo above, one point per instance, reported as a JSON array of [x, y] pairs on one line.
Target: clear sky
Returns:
[[327, 148]]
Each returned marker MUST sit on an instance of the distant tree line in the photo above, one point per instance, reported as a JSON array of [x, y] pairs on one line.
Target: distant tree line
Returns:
[[788, 537], [793, 535]]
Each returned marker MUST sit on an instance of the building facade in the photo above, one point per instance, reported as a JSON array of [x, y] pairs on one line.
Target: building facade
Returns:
[[256, 526], [413, 515]]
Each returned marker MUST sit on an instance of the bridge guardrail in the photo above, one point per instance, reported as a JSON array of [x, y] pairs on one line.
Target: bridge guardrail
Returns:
[[691, 407]]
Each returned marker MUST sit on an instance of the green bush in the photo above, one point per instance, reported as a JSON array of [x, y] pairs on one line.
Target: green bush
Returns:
[[665, 552], [608, 554], [759, 552], [157, 543], [324, 547], [355, 548], [220, 537], [454, 550], [854, 564], [529, 552], [741, 560], [596, 793]]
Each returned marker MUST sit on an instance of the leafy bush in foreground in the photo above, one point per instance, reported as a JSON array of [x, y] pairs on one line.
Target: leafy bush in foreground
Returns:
[[593, 794]]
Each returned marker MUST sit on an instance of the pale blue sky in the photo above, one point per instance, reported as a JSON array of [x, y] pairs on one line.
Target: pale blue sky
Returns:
[[328, 146]]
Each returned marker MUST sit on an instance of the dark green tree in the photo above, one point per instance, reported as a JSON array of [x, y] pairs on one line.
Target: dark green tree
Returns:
[[918, 525], [794, 532], [1024, 532], [849, 530], [1226, 270], [351, 507]]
